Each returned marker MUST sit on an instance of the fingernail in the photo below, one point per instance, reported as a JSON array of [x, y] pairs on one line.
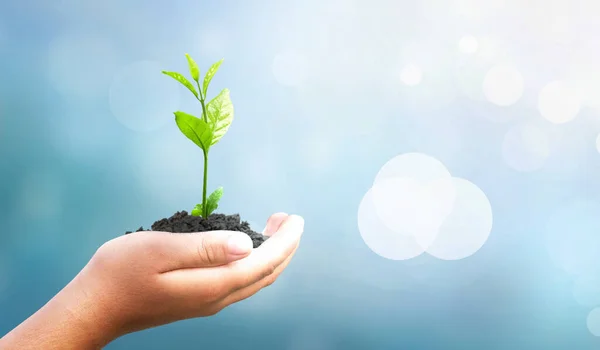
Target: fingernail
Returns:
[[239, 244]]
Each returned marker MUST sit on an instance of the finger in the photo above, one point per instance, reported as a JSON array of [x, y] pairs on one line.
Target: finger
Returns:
[[264, 260], [203, 249], [249, 291], [274, 223], [224, 280]]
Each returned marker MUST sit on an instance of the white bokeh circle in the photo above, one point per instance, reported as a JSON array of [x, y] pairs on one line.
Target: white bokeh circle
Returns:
[[411, 75], [290, 68], [409, 206], [558, 102], [414, 165], [525, 147], [416, 206], [593, 322], [142, 98], [468, 44], [467, 227], [379, 238], [81, 64], [503, 85], [598, 143]]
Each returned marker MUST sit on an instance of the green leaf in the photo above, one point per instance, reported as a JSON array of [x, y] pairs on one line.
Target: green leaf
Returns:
[[209, 75], [197, 211], [183, 80], [212, 203], [220, 115], [194, 70], [195, 129]]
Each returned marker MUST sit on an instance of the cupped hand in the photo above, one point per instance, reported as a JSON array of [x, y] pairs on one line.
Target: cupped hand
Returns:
[[147, 279]]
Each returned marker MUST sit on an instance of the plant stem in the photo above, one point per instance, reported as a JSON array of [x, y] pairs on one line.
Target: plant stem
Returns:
[[205, 152], [201, 99], [204, 206]]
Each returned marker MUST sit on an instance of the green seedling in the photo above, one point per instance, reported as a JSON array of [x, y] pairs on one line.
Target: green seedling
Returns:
[[205, 132]]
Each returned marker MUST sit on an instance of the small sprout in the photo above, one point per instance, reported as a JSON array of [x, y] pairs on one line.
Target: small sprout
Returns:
[[194, 70], [205, 132]]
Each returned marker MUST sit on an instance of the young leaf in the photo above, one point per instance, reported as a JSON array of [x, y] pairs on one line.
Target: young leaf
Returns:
[[194, 70], [212, 203], [195, 129], [220, 114], [209, 75], [198, 209], [183, 80]]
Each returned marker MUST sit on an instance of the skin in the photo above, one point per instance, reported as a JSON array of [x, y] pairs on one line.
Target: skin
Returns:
[[148, 279]]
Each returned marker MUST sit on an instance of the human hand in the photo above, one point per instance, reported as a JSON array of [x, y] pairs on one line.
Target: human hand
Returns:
[[148, 279]]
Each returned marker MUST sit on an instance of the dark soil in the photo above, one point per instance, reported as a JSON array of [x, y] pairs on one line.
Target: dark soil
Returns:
[[182, 222]]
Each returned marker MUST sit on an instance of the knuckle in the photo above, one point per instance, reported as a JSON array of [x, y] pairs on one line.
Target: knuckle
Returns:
[[269, 270], [207, 252]]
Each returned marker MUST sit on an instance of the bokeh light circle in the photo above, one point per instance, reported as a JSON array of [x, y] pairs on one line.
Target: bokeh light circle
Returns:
[[525, 147], [290, 68], [411, 75], [379, 238], [416, 206], [467, 227], [503, 85], [468, 44], [558, 102], [593, 322], [598, 143], [413, 165], [142, 98], [409, 206]]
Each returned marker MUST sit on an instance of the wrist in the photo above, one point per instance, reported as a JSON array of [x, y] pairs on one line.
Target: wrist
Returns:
[[73, 319]]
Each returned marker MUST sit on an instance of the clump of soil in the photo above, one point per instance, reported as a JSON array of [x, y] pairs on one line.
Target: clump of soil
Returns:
[[182, 222]]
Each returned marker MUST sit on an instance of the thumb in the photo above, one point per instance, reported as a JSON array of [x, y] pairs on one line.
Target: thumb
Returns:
[[205, 249]]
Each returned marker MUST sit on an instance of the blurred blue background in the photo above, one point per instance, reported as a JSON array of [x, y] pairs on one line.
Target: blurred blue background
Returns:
[[505, 93]]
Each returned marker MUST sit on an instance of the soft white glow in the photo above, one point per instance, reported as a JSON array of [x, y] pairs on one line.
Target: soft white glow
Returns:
[[468, 44], [413, 165], [411, 75], [142, 98], [525, 148], [409, 206], [468, 226], [290, 68], [558, 102], [593, 322], [503, 85], [598, 143], [382, 240], [416, 206]]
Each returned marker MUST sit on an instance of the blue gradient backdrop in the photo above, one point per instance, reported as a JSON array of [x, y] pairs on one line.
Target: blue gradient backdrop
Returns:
[[89, 149]]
